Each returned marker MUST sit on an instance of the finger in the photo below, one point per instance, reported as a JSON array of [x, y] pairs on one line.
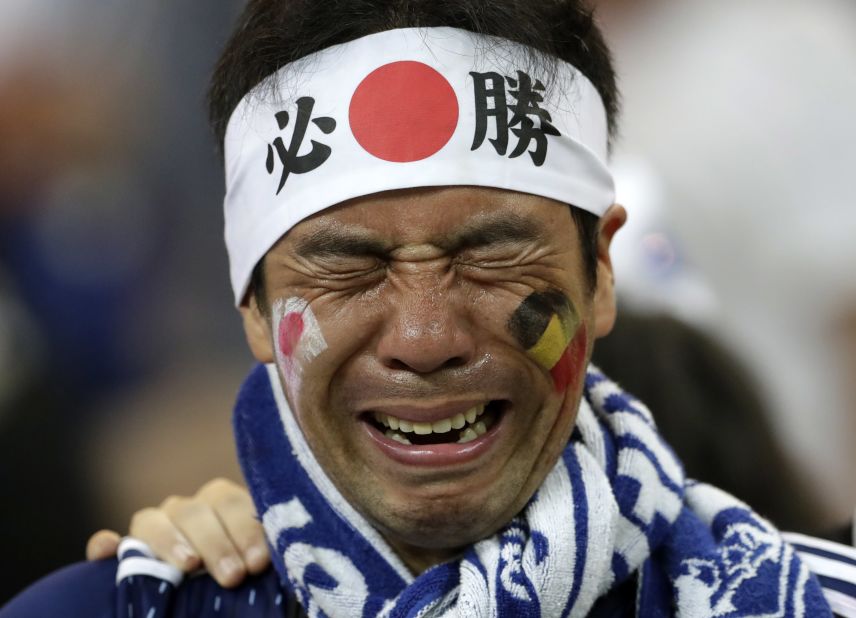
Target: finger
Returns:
[[154, 528], [237, 513], [103, 544], [203, 529]]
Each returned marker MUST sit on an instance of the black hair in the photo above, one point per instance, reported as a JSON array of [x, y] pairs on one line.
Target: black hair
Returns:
[[273, 33], [709, 409]]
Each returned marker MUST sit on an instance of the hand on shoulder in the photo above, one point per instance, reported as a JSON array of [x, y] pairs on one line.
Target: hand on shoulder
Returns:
[[216, 528]]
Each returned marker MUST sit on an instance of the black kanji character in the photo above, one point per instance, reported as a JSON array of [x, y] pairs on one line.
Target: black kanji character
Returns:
[[499, 111], [528, 104], [528, 98], [289, 158]]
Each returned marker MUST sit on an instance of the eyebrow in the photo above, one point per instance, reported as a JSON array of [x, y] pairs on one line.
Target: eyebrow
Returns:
[[501, 229], [332, 242]]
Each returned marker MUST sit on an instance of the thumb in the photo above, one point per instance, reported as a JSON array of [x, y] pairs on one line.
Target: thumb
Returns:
[[103, 544]]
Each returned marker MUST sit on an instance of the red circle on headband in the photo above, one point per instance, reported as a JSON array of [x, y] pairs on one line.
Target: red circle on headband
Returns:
[[404, 111]]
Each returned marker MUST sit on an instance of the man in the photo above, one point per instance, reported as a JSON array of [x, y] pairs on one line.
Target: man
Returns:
[[418, 218]]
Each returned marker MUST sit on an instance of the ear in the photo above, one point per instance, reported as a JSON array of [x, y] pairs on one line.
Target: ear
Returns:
[[604, 297], [257, 329]]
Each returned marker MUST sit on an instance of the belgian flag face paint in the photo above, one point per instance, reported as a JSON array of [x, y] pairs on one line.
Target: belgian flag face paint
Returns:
[[548, 326]]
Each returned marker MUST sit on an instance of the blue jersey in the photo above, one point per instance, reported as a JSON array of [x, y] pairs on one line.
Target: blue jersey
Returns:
[[90, 590], [141, 587], [834, 565]]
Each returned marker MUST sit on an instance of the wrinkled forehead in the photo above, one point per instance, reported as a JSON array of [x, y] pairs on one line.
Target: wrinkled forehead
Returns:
[[404, 109]]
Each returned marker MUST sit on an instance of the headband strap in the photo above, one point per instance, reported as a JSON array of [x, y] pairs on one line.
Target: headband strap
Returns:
[[407, 108]]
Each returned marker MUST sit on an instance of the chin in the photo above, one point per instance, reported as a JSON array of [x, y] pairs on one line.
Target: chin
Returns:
[[443, 523]]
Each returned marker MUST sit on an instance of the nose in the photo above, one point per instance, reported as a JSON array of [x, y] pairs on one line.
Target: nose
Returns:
[[425, 334]]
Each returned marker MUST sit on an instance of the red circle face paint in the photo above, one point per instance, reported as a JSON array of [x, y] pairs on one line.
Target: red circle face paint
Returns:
[[290, 331], [403, 112]]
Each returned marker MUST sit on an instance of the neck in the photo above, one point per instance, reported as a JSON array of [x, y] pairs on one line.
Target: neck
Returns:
[[420, 559]]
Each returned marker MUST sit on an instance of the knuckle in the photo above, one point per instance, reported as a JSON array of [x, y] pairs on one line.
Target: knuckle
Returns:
[[234, 504], [142, 519], [180, 507], [171, 503], [216, 488]]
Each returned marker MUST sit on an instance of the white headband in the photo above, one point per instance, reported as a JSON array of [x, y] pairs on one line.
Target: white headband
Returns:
[[407, 108]]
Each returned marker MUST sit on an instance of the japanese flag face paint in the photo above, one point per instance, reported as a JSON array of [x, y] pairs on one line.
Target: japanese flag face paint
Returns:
[[298, 340], [548, 326], [413, 107]]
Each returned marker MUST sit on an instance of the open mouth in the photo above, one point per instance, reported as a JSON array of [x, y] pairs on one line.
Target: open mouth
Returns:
[[458, 429]]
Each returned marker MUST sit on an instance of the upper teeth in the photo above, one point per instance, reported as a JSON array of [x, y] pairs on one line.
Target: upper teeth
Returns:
[[444, 425]]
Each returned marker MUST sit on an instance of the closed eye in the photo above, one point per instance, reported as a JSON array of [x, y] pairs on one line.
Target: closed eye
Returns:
[[347, 267]]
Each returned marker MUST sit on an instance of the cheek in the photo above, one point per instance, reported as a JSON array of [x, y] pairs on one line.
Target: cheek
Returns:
[[299, 340], [549, 328], [290, 331], [567, 371]]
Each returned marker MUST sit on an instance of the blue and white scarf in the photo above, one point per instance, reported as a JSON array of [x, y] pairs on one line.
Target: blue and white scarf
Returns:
[[615, 506]]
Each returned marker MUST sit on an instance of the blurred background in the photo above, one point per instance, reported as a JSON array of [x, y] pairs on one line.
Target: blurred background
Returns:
[[120, 352]]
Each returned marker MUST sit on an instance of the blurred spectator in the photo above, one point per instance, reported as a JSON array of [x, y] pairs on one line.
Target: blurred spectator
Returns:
[[109, 223], [708, 409], [753, 153], [45, 504]]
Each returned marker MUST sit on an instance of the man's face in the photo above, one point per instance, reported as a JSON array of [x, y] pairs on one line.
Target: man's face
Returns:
[[432, 344]]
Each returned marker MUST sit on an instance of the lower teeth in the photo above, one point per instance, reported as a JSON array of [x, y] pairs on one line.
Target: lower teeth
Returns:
[[397, 436], [467, 435]]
